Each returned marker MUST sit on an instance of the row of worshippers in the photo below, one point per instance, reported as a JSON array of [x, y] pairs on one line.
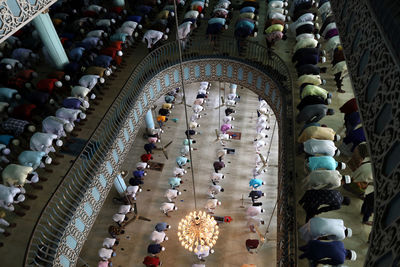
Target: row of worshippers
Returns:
[[25, 96], [165, 20], [191, 22], [187, 146], [275, 26], [323, 176], [253, 212], [219, 21], [129, 194], [247, 23]]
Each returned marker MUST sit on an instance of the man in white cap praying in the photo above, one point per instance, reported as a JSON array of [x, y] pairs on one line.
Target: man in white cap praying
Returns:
[[167, 207], [212, 204], [171, 194], [203, 252], [158, 237], [324, 229], [326, 179]]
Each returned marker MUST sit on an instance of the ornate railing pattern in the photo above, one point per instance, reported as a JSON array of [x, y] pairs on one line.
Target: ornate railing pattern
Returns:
[[66, 220], [14, 14]]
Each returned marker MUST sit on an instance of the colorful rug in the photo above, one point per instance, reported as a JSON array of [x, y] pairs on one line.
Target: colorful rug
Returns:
[[235, 135], [156, 166]]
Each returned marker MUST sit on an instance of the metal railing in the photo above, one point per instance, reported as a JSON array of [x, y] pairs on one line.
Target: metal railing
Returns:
[[51, 225]]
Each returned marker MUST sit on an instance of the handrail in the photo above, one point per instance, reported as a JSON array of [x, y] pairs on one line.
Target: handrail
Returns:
[[101, 140]]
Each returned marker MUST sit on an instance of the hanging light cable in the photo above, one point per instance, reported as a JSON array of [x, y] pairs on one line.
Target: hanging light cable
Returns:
[[198, 229]]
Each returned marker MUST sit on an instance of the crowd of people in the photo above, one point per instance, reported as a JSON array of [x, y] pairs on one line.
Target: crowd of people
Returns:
[[323, 236], [41, 110]]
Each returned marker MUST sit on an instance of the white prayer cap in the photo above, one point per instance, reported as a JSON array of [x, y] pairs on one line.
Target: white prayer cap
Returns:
[[67, 77], [262, 210], [140, 26], [323, 82], [93, 96], [18, 96], [342, 165], [120, 54], [172, 14], [317, 25], [85, 104], [34, 74], [329, 101], [179, 193], [337, 137], [15, 142], [158, 1], [167, 30], [6, 151], [8, 66], [285, 12], [256, 23], [349, 232], [323, 59], [165, 37], [175, 208], [51, 101], [68, 127], [31, 128], [286, 26], [212, 251], [337, 152], [226, 26], [353, 255], [201, 15], [107, 72], [285, 3], [219, 203], [136, 34], [255, 34], [166, 238], [102, 80], [59, 143], [113, 21], [163, 249], [58, 84], [82, 116], [347, 179], [21, 198], [317, 36], [48, 160], [35, 178]]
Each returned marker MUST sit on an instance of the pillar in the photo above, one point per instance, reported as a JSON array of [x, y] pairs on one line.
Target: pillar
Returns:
[[50, 39], [149, 120], [120, 185]]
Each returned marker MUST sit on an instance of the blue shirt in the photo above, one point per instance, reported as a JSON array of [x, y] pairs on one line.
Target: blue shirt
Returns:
[[181, 160], [161, 226], [138, 174], [333, 252], [102, 61], [355, 137], [255, 183], [174, 181], [247, 9], [5, 139], [323, 162], [76, 53]]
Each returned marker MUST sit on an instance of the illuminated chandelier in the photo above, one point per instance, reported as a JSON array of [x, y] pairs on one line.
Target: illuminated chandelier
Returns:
[[198, 228]]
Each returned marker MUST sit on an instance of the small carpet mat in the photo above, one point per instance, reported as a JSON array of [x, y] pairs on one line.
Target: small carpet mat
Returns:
[[235, 135], [156, 166], [230, 151]]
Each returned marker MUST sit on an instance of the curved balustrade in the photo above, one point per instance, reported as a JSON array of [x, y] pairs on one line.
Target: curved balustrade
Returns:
[[72, 197]]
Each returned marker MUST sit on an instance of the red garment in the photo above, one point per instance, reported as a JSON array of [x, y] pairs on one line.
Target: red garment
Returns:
[[25, 74], [198, 8], [117, 9], [17, 83], [118, 60], [109, 51], [117, 45], [46, 85], [58, 75], [63, 40], [23, 112], [145, 157], [150, 261], [88, 13], [349, 107], [228, 219]]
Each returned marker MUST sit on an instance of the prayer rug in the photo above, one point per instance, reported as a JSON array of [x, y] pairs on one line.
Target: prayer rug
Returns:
[[156, 166], [235, 135]]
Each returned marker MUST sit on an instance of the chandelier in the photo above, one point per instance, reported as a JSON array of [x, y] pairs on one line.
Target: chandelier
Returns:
[[198, 228]]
